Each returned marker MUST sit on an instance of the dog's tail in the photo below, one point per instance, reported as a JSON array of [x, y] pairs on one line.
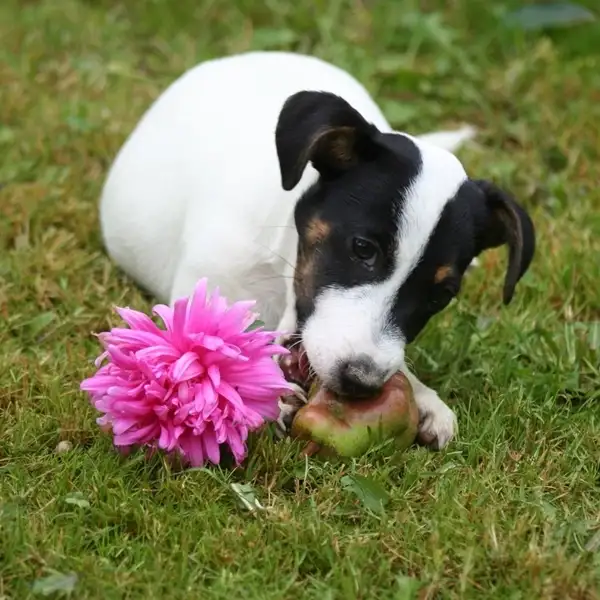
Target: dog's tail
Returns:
[[450, 140]]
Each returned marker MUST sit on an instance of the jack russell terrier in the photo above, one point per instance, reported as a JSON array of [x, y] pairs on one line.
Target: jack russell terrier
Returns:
[[277, 177]]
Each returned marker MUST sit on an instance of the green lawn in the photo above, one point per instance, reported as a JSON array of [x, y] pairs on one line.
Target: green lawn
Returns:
[[511, 509]]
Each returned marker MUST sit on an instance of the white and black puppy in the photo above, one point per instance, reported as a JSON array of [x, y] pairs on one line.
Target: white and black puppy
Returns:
[[278, 178]]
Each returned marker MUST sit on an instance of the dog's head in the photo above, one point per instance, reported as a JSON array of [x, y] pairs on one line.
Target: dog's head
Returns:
[[385, 236]]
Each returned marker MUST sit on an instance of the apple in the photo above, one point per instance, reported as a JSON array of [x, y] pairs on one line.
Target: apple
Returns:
[[349, 427]]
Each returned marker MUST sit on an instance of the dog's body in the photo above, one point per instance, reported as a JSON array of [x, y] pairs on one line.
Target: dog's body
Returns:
[[278, 178]]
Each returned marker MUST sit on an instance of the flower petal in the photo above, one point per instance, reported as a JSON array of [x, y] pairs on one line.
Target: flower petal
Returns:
[[138, 320], [210, 445], [231, 395], [166, 315], [195, 310], [186, 367], [141, 436], [191, 447], [214, 374], [236, 444]]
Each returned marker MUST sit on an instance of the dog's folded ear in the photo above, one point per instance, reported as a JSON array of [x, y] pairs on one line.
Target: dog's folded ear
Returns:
[[508, 223], [324, 129]]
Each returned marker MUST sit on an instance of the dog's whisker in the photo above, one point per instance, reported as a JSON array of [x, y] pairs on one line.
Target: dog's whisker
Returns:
[[277, 226], [285, 260], [295, 344], [254, 281]]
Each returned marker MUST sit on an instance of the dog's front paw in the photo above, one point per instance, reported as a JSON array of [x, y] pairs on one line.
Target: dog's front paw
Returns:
[[289, 405], [437, 422], [297, 373]]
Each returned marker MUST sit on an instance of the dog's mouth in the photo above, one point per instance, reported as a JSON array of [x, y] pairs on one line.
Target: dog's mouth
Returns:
[[296, 366], [297, 369]]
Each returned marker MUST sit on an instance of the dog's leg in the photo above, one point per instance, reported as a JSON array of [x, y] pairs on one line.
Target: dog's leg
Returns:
[[290, 404], [437, 421], [288, 407]]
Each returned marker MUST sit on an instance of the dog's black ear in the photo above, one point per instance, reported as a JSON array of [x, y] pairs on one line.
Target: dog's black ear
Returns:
[[324, 129], [508, 223]]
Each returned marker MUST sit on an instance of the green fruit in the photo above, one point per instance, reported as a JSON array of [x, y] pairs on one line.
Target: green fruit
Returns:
[[348, 427]]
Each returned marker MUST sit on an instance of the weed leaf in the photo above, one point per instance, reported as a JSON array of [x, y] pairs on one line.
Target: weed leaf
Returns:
[[39, 323], [255, 325], [369, 492]]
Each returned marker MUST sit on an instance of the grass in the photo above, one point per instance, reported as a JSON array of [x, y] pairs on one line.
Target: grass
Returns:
[[509, 510]]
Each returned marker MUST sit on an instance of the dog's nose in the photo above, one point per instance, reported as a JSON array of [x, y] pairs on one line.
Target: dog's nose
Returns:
[[360, 378]]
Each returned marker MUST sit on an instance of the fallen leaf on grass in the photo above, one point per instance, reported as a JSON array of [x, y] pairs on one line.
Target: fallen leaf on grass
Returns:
[[55, 582], [245, 494], [593, 544], [77, 499], [369, 492], [543, 16]]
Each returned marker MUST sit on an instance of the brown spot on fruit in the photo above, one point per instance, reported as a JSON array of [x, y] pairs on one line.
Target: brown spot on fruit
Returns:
[[443, 273]]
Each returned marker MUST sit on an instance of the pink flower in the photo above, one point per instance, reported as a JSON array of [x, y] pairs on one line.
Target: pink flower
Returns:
[[204, 381]]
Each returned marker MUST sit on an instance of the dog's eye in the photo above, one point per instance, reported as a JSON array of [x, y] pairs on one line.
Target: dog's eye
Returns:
[[364, 250]]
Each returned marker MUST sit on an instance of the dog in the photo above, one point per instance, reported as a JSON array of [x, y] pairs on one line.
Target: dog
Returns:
[[277, 177]]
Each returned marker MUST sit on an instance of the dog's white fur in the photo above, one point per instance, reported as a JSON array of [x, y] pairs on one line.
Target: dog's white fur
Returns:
[[196, 192]]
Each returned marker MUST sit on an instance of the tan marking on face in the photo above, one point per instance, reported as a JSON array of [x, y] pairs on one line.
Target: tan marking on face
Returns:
[[304, 274], [316, 231], [442, 273]]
